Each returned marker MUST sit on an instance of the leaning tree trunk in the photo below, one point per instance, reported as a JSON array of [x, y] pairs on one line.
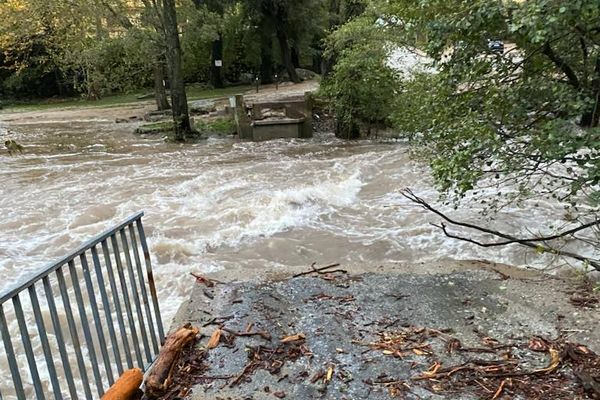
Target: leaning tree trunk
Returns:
[[216, 74], [179, 106], [286, 55], [160, 94]]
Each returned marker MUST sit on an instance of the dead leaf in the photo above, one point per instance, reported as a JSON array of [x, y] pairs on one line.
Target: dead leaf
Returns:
[[538, 344], [329, 374], [554, 361], [318, 375], [293, 338], [214, 339], [437, 388], [419, 352], [432, 370], [490, 342], [453, 345], [583, 349]]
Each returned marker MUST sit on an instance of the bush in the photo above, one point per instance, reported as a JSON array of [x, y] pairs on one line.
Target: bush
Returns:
[[362, 89]]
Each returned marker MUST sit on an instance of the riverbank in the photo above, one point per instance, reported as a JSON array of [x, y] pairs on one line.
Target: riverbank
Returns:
[[123, 107], [435, 331]]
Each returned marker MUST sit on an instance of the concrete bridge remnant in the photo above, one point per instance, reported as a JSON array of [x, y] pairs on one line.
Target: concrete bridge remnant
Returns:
[[289, 117]]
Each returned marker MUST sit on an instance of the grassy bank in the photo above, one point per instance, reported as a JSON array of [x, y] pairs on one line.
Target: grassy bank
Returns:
[[194, 93]]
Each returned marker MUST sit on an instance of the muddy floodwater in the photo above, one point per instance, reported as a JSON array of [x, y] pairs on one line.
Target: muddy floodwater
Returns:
[[222, 203]]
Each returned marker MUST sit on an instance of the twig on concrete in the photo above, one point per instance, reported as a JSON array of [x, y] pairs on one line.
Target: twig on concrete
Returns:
[[321, 270], [263, 334]]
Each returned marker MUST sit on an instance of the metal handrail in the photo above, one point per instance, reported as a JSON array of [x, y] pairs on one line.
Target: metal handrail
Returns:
[[113, 286]]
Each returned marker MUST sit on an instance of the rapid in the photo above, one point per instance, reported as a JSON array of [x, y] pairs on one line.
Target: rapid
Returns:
[[223, 203]]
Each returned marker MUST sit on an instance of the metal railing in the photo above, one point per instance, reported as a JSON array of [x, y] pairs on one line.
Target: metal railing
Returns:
[[95, 310]]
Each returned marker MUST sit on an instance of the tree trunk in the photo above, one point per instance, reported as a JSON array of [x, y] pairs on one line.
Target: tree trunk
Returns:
[[58, 81], [328, 61], [286, 56], [160, 94], [266, 56], [216, 74], [295, 57], [179, 105], [591, 117], [347, 130]]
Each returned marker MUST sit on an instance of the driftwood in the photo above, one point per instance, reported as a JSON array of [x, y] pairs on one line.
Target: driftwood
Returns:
[[160, 377], [127, 387]]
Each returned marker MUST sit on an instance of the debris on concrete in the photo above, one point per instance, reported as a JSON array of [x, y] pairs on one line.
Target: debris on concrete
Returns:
[[330, 334]]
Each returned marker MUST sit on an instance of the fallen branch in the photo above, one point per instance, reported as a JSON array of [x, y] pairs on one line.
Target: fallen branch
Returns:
[[160, 377], [321, 270], [510, 239]]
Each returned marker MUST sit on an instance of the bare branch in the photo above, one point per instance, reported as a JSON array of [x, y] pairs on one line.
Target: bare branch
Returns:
[[537, 243]]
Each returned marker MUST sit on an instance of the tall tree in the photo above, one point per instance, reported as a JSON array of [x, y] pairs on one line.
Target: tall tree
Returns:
[[216, 65], [116, 10], [339, 12], [167, 15], [286, 21]]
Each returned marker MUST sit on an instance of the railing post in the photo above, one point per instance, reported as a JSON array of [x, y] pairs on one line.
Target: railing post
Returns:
[[39, 320], [136, 299], [150, 276], [107, 312], [74, 334], [140, 275], [64, 356], [35, 375], [12, 360], [86, 328], [119, 311]]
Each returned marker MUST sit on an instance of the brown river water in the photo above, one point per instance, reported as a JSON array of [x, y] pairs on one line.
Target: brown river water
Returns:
[[222, 203]]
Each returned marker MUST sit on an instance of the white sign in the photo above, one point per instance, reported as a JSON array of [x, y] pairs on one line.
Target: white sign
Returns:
[[218, 63]]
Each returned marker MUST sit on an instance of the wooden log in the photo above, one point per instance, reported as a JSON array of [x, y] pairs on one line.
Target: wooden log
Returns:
[[126, 387], [160, 376]]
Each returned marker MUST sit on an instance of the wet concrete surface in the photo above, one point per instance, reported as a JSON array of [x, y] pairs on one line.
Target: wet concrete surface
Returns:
[[341, 314]]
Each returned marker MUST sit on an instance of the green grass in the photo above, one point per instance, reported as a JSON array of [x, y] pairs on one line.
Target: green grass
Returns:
[[220, 126], [193, 93], [155, 127]]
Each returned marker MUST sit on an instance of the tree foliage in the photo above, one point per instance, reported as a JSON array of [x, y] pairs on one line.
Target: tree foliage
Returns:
[[526, 117], [362, 86]]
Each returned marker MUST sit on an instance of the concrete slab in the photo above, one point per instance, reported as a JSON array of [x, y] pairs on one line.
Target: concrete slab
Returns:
[[340, 316]]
